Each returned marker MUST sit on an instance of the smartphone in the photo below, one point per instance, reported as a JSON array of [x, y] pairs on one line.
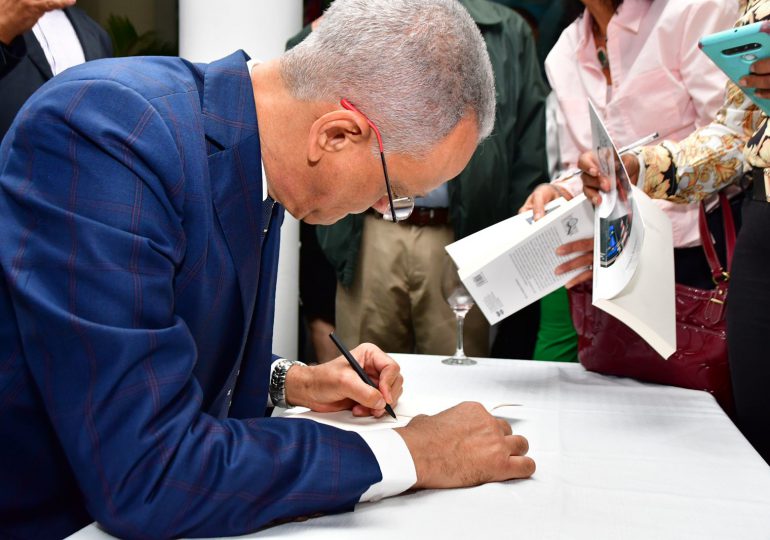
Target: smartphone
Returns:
[[734, 50]]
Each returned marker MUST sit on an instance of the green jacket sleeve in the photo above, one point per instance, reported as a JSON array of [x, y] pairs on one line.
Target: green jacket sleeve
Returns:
[[298, 38], [340, 243], [526, 139], [512, 160]]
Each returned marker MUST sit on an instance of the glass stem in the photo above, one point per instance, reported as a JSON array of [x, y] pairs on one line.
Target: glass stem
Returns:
[[460, 316]]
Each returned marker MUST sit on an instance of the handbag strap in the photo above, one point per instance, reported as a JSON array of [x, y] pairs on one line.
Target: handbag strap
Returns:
[[729, 226], [714, 311], [718, 272]]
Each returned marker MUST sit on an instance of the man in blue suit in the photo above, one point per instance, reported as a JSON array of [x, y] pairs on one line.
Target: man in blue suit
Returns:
[[140, 210]]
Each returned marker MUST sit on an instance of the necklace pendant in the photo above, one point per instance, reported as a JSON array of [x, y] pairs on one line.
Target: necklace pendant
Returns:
[[601, 55]]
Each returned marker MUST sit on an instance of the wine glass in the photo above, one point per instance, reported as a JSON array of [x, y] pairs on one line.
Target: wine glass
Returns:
[[461, 302]]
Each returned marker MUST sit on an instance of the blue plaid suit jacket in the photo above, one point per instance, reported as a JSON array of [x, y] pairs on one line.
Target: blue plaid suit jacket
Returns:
[[136, 315]]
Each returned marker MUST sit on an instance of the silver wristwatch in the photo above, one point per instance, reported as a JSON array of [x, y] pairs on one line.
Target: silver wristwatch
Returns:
[[278, 382]]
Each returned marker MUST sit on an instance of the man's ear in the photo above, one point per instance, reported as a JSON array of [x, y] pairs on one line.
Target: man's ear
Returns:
[[336, 131]]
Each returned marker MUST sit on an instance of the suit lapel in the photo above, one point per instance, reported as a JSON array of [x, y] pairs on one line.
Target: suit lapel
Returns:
[[88, 40], [230, 123], [36, 55]]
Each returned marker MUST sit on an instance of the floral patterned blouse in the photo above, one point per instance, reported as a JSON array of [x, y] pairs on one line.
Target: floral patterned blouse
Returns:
[[715, 155]]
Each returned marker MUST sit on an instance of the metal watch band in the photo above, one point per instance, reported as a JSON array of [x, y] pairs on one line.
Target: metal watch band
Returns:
[[278, 382]]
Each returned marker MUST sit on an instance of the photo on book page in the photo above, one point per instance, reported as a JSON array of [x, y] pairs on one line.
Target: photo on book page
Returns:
[[619, 240]]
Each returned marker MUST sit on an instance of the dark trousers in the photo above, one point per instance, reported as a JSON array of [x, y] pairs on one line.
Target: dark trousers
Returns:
[[748, 326], [517, 334]]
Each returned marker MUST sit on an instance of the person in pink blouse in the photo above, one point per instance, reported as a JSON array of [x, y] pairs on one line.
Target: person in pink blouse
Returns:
[[638, 61], [734, 148]]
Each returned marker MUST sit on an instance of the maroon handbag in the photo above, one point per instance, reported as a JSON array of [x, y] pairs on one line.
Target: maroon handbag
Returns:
[[608, 346]]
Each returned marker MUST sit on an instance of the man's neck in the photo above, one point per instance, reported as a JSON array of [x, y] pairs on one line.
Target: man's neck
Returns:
[[284, 127], [278, 129]]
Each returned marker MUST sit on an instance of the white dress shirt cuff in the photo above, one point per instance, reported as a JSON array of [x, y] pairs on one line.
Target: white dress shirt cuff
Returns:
[[395, 461]]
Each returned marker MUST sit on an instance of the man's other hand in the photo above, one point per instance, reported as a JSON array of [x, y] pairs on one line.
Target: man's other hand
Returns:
[[465, 446], [335, 386], [541, 196], [583, 251], [18, 16]]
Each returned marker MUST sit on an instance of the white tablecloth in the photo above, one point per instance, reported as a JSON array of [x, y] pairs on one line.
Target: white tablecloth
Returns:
[[616, 459]]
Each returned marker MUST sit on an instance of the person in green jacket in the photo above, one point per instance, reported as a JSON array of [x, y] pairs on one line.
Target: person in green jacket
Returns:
[[389, 275]]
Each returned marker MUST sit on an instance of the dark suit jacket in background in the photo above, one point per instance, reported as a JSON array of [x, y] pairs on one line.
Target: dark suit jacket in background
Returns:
[[136, 302], [24, 67]]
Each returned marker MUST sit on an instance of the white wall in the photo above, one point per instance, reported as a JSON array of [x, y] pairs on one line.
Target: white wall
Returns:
[[212, 29]]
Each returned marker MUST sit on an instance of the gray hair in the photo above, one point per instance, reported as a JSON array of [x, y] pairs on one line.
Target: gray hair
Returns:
[[414, 67]]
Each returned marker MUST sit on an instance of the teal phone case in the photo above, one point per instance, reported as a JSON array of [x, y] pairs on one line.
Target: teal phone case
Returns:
[[734, 50]]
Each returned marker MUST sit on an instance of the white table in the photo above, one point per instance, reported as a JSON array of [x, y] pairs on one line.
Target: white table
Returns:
[[616, 459]]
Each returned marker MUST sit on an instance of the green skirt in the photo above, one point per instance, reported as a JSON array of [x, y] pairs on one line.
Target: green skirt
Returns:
[[556, 339]]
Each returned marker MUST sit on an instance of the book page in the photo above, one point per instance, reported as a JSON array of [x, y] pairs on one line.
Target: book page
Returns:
[[619, 237], [647, 304]]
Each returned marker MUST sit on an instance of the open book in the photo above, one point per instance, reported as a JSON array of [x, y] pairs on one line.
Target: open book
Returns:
[[633, 253], [511, 264]]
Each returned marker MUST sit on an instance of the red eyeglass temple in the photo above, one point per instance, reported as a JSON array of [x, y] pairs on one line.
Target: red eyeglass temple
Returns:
[[349, 106]]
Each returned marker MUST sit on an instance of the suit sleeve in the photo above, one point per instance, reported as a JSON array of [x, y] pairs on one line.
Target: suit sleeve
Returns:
[[92, 219]]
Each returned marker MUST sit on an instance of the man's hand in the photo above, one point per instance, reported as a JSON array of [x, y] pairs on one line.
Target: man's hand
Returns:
[[18, 16], [542, 195], [760, 78], [584, 250], [465, 446], [334, 386], [594, 181]]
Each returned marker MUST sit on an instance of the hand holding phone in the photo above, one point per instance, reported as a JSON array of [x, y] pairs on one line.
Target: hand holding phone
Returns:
[[759, 79], [744, 55]]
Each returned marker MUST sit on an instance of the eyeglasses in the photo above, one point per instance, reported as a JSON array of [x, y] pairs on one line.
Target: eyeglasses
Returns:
[[399, 208]]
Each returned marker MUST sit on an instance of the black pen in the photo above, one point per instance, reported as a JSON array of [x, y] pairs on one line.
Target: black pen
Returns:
[[356, 366]]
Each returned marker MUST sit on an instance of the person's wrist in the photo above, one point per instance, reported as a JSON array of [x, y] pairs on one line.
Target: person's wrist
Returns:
[[299, 381], [279, 375], [631, 164], [420, 457]]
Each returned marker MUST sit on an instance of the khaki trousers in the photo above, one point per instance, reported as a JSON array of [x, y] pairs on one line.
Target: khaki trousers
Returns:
[[395, 300]]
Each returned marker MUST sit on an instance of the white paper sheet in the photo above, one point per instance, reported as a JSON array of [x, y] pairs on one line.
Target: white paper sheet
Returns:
[[633, 253], [618, 235], [405, 411]]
